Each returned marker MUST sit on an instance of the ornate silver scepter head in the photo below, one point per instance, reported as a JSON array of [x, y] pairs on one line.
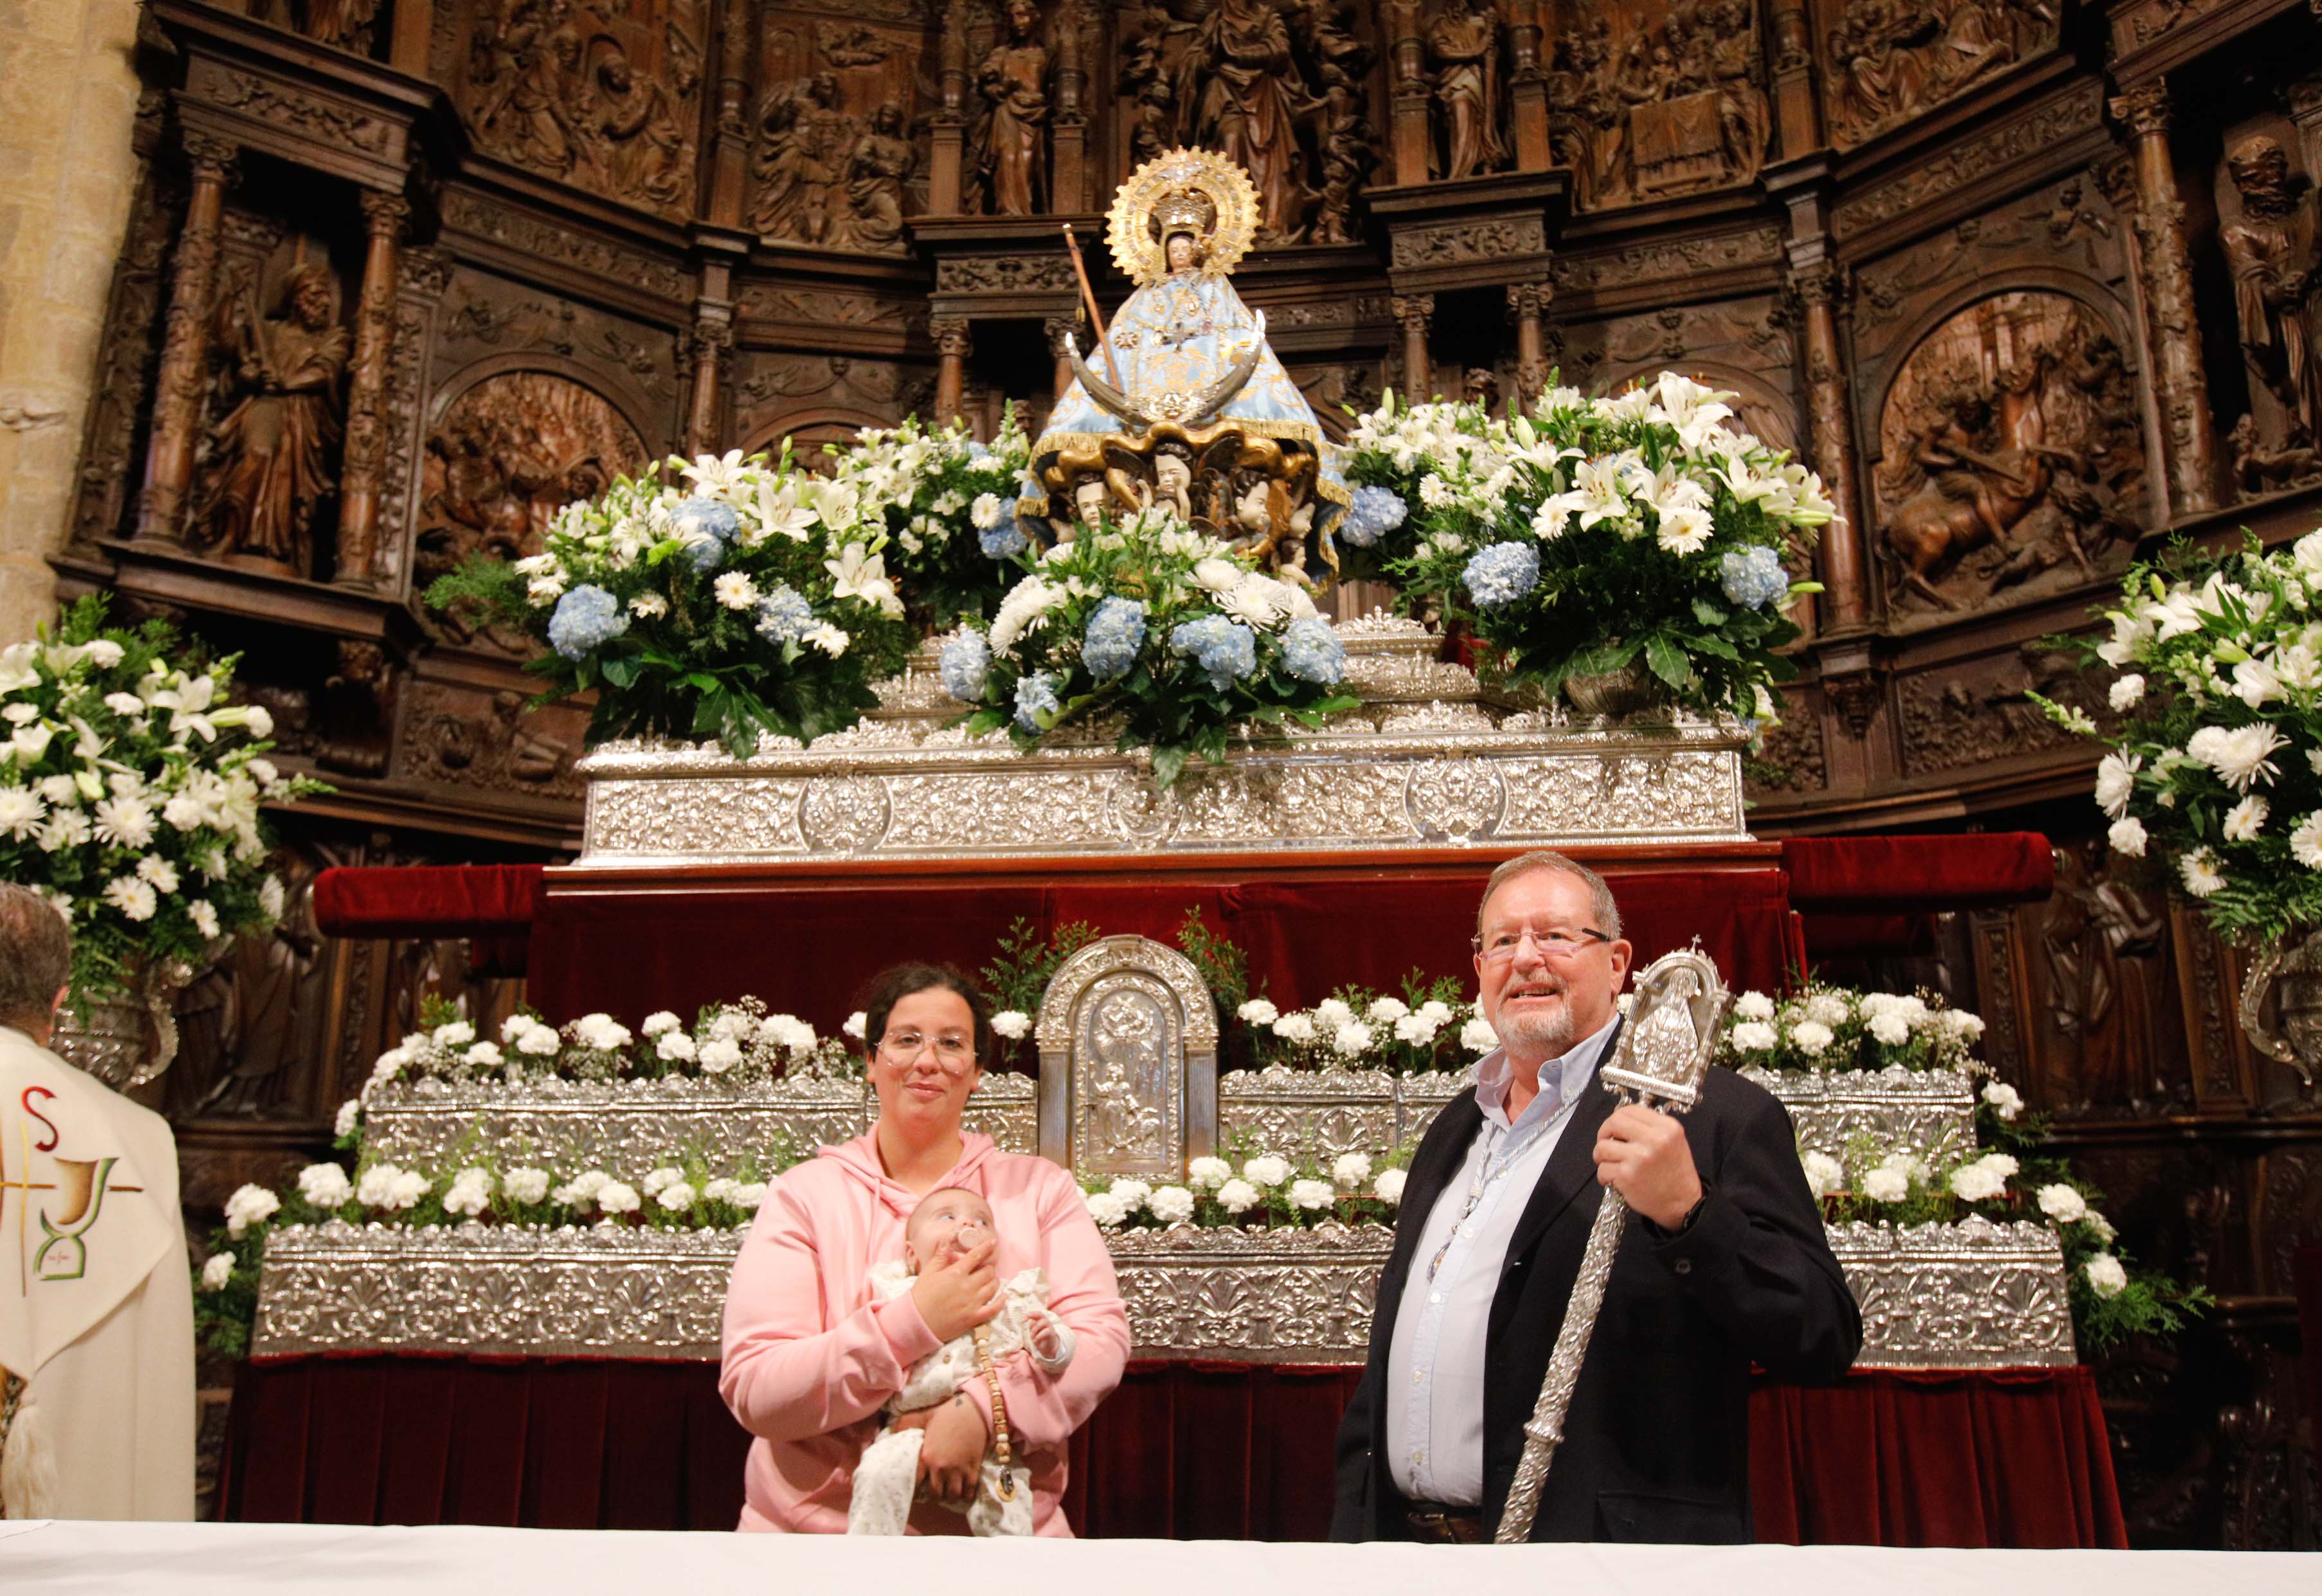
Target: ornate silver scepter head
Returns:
[[1663, 1053]]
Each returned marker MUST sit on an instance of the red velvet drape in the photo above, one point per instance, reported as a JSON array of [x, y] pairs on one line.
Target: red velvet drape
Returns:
[[1185, 1450]]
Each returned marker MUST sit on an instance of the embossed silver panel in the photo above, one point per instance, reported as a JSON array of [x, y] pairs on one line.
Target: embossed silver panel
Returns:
[[629, 1126], [1968, 1296], [1428, 759], [1930, 1111], [1308, 1116], [1973, 1295], [1128, 1037]]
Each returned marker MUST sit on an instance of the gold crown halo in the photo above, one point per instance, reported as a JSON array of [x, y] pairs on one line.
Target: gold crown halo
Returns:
[[1227, 187]]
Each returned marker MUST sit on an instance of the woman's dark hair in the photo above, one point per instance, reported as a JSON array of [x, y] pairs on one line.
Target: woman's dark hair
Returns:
[[892, 985]]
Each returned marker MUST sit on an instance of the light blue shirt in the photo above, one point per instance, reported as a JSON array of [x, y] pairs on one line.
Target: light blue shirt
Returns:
[[1434, 1394]]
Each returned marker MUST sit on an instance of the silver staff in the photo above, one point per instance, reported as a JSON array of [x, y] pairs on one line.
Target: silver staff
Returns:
[[1663, 1053]]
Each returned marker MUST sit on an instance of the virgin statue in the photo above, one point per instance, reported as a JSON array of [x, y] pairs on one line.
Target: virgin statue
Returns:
[[1187, 403]]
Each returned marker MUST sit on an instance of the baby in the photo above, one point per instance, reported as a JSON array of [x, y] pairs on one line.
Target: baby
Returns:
[[947, 1223]]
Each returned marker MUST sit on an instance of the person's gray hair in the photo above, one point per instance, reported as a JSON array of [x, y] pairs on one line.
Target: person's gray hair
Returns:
[[35, 957], [1601, 906]]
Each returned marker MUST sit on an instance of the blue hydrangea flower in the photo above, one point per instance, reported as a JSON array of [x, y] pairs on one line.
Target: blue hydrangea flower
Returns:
[[1754, 576], [585, 618], [1003, 539], [705, 514], [965, 664], [785, 615], [1374, 512], [978, 451], [1226, 649], [1116, 631], [1502, 574], [1035, 696], [1311, 652]]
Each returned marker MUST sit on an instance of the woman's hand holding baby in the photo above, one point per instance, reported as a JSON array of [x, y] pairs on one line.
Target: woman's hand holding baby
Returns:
[[953, 1295], [951, 1458]]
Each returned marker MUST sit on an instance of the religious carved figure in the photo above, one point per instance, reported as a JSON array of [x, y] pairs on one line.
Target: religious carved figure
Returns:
[[1892, 60], [2272, 250], [1678, 109], [1465, 42], [1186, 405], [829, 177], [2011, 447], [1011, 134], [345, 23], [508, 455], [282, 368], [2106, 979], [587, 95], [1238, 93]]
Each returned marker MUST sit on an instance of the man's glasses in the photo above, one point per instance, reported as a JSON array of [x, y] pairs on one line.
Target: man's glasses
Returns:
[[955, 1051], [1555, 945]]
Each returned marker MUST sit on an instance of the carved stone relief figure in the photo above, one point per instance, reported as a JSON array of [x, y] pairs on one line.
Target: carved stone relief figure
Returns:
[[246, 1025], [1463, 42], [828, 178], [2273, 248], [2011, 456], [280, 359], [1892, 60], [508, 455], [471, 738], [594, 95], [1680, 105], [1979, 712], [1011, 130]]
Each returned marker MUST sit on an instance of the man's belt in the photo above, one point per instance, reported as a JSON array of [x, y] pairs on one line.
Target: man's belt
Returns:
[[1435, 1524]]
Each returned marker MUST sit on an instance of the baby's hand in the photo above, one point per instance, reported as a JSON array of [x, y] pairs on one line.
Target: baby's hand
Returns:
[[1042, 1325]]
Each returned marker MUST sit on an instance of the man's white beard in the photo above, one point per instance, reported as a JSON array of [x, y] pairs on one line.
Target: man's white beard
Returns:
[[1552, 1031]]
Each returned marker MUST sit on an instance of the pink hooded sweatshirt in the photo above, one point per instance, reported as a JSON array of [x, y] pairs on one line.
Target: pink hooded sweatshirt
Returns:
[[810, 1358]]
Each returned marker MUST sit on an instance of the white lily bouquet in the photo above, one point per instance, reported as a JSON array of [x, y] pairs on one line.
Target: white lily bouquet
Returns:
[[753, 600], [1158, 625], [949, 507], [130, 791], [1592, 536], [2216, 763]]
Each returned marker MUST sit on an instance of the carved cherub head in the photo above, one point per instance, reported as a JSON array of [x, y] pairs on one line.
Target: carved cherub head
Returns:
[[1172, 467], [1089, 497]]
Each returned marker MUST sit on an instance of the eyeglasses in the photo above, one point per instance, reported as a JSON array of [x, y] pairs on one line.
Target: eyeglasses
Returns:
[[1555, 944], [955, 1051]]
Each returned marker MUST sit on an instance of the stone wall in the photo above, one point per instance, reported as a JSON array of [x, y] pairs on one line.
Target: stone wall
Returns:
[[68, 94]]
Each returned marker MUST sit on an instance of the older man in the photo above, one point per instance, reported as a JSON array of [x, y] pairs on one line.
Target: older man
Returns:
[[97, 1307], [1726, 1266]]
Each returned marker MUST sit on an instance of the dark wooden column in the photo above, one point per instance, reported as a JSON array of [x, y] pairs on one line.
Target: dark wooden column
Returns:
[[1829, 406], [1528, 309], [1413, 95], [384, 215], [1528, 90], [2179, 381], [948, 149], [953, 343], [177, 388], [1058, 329], [1797, 109], [712, 335], [1414, 312]]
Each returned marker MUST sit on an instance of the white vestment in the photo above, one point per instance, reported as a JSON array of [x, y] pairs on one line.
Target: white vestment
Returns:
[[96, 1304]]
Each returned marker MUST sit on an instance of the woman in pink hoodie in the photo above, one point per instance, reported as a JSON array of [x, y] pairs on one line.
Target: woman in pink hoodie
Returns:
[[810, 1359]]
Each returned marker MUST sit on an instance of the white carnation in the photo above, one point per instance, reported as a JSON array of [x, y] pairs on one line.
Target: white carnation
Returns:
[[1811, 1037], [1013, 1023], [676, 1197], [2004, 1100], [1386, 1009], [1388, 1187], [456, 1032], [1350, 1170], [1257, 1011], [249, 1206], [719, 1055], [1890, 1027], [1108, 1210], [2107, 1278], [469, 1193], [614, 1198], [1172, 1205], [326, 1185], [1312, 1195], [655, 1180], [1265, 1172], [1132, 1193], [540, 1042], [2127, 838], [1886, 1185], [1754, 1037], [675, 1046], [660, 1021], [217, 1271], [527, 1184], [855, 1024], [1207, 1175], [1333, 1013], [1238, 1196], [1478, 1036], [1828, 1008], [1298, 1028], [350, 1116], [2063, 1203], [1354, 1038], [1754, 1006], [2126, 691], [1973, 1182], [1824, 1174]]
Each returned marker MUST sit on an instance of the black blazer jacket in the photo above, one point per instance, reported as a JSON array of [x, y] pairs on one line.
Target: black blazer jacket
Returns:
[[1657, 1444]]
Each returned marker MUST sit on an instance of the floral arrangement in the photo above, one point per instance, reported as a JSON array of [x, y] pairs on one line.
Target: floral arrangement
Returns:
[[1827, 1028], [949, 505], [681, 1194], [1155, 625], [753, 600], [1429, 1028], [129, 790], [1590, 533], [2216, 763], [2008, 1181], [1256, 1190]]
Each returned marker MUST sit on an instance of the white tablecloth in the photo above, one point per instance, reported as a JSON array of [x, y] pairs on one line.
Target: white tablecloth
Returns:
[[261, 1559]]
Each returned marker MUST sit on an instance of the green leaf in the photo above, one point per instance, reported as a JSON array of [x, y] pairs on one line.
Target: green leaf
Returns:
[[1715, 647], [1708, 613], [621, 670], [1669, 661], [1168, 760]]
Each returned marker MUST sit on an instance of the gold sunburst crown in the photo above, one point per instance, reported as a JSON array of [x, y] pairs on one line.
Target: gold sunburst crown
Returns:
[[1175, 190]]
